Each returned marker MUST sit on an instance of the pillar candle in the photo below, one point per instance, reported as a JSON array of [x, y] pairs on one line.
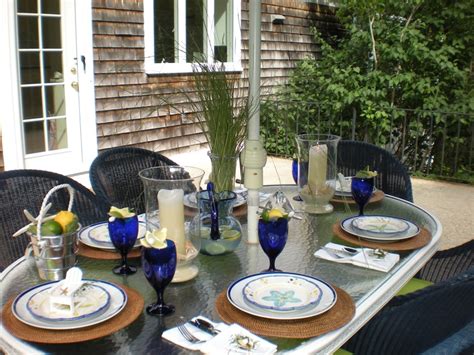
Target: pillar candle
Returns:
[[171, 207], [317, 169]]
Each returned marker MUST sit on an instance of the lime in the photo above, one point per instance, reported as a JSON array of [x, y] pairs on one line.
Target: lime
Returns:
[[51, 228], [205, 233], [231, 234], [366, 173], [215, 249]]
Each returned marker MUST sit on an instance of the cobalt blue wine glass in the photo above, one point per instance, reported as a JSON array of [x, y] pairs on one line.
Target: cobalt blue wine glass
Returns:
[[362, 189], [272, 236], [123, 233], [159, 266]]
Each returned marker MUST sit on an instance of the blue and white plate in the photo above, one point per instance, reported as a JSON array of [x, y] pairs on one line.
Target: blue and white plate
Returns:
[[93, 300], [235, 295], [97, 235], [410, 232], [282, 293], [23, 311], [380, 225]]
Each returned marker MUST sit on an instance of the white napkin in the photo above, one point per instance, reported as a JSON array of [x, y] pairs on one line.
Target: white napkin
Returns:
[[224, 343], [364, 258], [175, 336]]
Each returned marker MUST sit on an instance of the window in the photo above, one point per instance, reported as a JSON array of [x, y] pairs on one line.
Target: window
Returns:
[[181, 32]]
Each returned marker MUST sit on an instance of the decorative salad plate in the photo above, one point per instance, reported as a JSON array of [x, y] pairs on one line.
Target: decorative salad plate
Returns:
[[411, 231], [91, 300], [23, 309], [327, 298], [380, 225], [282, 293], [97, 235]]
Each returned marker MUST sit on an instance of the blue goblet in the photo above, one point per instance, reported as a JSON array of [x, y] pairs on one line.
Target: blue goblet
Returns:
[[123, 233], [159, 266], [362, 189], [272, 236]]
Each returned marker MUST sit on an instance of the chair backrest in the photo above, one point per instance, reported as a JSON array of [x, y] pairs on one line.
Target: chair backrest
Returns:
[[415, 322], [392, 178], [114, 175], [26, 189]]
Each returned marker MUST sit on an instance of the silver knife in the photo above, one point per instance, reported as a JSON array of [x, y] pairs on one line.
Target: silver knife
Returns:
[[204, 326]]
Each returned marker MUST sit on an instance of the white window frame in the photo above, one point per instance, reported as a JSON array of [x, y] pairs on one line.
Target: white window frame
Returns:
[[182, 67]]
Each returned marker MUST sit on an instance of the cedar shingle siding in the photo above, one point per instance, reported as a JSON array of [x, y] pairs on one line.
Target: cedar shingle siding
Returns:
[[128, 105]]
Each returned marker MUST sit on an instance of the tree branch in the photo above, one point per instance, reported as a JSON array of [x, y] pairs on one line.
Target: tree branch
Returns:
[[372, 37]]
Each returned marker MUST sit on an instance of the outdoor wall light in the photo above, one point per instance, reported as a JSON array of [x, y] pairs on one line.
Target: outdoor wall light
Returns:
[[278, 19]]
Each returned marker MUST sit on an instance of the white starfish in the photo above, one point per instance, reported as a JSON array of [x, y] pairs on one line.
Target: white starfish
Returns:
[[33, 220]]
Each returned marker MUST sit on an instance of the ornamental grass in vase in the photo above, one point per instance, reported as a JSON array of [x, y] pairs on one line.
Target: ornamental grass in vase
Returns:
[[223, 109]]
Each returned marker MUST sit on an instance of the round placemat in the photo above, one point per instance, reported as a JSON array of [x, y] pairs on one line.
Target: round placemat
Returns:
[[418, 241], [95, 253], [129, 314], [377, 196], [340, 314]]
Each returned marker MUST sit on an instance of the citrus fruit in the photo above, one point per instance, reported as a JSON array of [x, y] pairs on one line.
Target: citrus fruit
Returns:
[[67, 220], [215, 249], [155, 239], [275, 213], [51, 228], [205, 233], [230, 234], [120, 212]]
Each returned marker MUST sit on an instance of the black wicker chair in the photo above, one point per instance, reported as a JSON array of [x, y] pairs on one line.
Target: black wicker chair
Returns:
[[392, 178], [421, 320], [26, 189], [114, 175]]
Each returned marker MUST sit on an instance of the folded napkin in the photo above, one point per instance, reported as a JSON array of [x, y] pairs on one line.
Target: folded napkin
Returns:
[[365, 258], [237, 340], [173, 335]]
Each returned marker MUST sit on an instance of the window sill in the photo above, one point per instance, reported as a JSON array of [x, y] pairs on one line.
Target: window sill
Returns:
[[187, 68]]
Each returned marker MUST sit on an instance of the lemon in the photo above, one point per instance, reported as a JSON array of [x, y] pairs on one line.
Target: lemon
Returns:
[[366, 173], [67, 220], [215, 249], [155, 239], [205, 233], [275, 213], [120, 212], [231, 234]]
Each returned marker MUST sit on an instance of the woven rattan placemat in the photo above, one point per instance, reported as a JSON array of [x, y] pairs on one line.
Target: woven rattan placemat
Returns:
[[418, 241], [129, 314], [95, 253], [376, 197], [340, 314]]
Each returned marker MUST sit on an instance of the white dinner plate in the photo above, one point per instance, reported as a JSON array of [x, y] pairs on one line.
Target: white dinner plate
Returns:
[[118, 300], [94, 300], [97, 235], [410, 232], [190, 200], [282, 293], [235, 295], [380, 225]]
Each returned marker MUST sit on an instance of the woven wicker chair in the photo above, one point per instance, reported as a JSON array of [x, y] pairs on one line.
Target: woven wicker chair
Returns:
[[114, 175], [26, 189], [420, 320], [392, 178]]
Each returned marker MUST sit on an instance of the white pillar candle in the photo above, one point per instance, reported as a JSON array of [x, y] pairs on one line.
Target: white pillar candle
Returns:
[[317, 169], [171, 207]]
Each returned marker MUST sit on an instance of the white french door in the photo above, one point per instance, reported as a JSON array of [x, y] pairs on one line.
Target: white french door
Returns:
[[52, 125]]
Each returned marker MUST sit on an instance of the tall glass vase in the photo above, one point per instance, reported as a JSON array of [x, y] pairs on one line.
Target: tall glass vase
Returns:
[[223, 171], [317, 160], [170, 202]]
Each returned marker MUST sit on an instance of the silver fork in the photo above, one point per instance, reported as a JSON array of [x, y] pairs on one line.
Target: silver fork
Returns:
[[340, 254], [188, 335]]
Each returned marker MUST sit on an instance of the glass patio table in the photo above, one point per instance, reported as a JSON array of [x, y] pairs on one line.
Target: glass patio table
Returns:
[[369, 289]]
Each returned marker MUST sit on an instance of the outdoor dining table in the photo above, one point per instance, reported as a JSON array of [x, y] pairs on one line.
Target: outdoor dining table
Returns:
[[369, 289]]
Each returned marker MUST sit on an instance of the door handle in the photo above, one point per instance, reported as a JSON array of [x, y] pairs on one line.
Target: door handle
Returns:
[[75, 85]]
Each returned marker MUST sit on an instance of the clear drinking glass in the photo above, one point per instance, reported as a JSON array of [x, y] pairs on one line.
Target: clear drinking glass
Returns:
[[362, 189], [171, 201], [159, 266], [317, 154], [272, 236], [123, 233]]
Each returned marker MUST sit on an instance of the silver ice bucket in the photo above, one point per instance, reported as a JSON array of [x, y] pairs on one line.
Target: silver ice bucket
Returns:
[[54, 254]]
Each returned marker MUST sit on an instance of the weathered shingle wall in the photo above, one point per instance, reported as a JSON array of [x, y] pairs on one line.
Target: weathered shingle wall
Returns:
[[129, 103]]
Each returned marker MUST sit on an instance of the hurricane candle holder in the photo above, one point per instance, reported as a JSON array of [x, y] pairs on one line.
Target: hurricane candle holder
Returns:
[[171, 203], [317, 154]]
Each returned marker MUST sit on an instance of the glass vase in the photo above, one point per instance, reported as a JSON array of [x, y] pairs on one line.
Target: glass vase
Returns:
[[223, 171], [166, 190], [220, 232], [317, 155]]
